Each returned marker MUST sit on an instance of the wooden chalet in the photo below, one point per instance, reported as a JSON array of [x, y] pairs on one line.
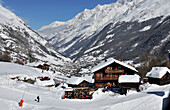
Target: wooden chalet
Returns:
[[129, 82], [78, 93], [159, 75], [108, 72], [78, 82], [44, 66], [79, 87]]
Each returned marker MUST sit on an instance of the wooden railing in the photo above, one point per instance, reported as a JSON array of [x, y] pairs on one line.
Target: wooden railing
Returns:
[[114, 71], [106, 78]]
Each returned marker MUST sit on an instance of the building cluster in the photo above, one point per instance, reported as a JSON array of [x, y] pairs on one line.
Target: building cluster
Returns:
[[112, 75]]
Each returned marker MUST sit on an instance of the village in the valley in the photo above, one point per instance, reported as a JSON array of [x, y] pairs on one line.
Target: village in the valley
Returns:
[[109, 76]]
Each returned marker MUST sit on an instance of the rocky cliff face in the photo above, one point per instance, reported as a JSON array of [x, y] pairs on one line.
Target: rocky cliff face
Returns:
[[128, 40]]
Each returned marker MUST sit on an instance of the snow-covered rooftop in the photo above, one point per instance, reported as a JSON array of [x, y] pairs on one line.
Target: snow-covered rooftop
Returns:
[[158, 72], [110, 61], [77, 80], [129, 79], [60, 77]]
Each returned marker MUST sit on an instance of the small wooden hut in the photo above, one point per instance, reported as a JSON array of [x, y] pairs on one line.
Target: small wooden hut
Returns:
[[159, 75], [44, 66], [79, 87], [78, 93], [129, 82], [78, 82]]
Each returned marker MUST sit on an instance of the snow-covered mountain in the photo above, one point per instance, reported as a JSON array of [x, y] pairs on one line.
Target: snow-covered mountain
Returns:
[[123, 29], [49, 30], [20, 42]]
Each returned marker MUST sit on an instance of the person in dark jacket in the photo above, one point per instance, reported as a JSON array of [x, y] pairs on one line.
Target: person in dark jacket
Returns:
[[38, 99]]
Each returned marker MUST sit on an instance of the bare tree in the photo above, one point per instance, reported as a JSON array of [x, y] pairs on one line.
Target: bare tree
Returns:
[[6, 57]]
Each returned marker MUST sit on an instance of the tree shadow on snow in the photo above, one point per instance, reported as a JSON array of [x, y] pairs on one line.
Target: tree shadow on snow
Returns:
[[158, 93], [166, 103]]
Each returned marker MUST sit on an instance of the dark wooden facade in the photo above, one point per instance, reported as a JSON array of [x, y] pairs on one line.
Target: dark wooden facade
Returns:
[[110, 74], [79, 93], [82, 84], [44, 67], [129, 85], [160, 81]]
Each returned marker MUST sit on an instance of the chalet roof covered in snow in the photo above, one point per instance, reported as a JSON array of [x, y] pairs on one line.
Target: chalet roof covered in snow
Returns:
[[158, 72], [110, 61], [129, 79], [77, 80]]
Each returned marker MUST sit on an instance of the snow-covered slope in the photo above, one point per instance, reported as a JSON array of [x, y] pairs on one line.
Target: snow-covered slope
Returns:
[[81, 33], [20, 42], [54, 24], [49, 30], [12, 91]]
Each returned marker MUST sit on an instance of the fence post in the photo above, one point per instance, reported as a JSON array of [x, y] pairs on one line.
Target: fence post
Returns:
[[6, 75]]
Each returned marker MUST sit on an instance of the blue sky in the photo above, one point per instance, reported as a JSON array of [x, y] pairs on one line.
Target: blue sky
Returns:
[[38, 13]]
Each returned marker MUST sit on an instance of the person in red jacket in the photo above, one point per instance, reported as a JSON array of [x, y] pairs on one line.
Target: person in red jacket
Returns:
[[21, 103]]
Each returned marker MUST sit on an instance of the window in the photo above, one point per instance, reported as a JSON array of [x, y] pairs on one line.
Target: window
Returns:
[[99, 75], [119, 67], [109, 67], [108, 75]]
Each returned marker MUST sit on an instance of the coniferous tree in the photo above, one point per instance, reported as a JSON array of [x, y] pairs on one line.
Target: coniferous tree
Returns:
[[6, 57]]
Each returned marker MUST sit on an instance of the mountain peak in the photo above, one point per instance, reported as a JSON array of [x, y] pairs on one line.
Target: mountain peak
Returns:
[[53, 24], [125, 1]]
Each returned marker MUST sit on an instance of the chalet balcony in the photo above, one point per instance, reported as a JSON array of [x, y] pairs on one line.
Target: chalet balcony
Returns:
[[114, 71], [106, 78]]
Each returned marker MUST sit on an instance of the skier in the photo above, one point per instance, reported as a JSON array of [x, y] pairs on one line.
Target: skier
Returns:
[[38, 99], [21, 103]]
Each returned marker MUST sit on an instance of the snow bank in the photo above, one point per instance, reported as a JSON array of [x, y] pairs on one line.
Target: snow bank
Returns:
[[129, 79], [13, 70], [44, 83]]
